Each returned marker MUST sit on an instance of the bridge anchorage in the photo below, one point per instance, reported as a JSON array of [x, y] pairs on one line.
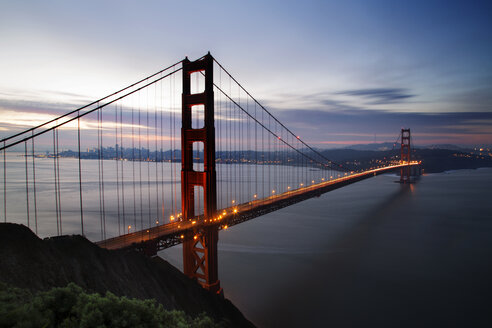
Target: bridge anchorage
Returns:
[[238, 162]]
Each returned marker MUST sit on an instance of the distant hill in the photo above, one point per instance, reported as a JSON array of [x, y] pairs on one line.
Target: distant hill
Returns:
[[433, 160], [445, 146], [440, 160], [388, 146], [373, 146]]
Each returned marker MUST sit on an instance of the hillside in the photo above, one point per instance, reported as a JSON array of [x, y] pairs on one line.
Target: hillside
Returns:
[[433, 160], [35, 264]]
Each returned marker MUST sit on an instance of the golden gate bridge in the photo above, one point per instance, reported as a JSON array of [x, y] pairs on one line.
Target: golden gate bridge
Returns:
[[230, 161]]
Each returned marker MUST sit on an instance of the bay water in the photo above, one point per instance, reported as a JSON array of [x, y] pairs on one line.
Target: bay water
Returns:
[[374, 253]]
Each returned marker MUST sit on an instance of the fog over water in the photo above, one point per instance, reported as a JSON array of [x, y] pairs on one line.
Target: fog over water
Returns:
[[375, 253]]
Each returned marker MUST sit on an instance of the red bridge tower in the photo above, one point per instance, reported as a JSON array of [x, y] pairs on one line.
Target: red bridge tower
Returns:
[[200, 246], [405, 156]]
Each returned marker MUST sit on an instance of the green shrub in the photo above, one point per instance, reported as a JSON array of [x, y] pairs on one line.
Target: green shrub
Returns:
[[71, 307]]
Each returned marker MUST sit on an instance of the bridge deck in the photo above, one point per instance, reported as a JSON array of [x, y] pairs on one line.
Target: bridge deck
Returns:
[[170, 234]]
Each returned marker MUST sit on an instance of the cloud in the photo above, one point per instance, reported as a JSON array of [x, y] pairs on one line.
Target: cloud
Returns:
[[380, 95], [350, 126], [367, 99], [36, 106]]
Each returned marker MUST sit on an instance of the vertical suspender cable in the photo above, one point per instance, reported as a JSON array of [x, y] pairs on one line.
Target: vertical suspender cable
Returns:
[[140, 163], [148, 158], [171, 110], [231, 147], [102, 174], [269, 160], [99, 171], [256, 155], [155, 157], [274, 158], [217, 149], [227, 155], [162, 153], [116, 146], [176, 206], [171, 155], [122, 172], [27, 183], [248, 167], [263, 158], [4, 183], [133, 169], [231, 153], [239, 156], [56, 185], [34, 186], [58, 174], [236, 152], [80, 177]]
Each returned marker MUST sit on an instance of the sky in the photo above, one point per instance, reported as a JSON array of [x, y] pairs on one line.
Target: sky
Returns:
[[335, 72]]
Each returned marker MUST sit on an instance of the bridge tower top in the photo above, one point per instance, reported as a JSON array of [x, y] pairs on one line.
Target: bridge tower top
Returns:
[[405, 146]]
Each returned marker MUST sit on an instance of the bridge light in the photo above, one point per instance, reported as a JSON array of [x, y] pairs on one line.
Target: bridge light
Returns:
[[298, 137], [193, 222], [233, 201], [129, 227], [182, 236], [225, 227], [235, 211], [172, 217], [288, 187], [224, 213], [254, 195], [156, 222], [331, 176], [312, 181], [273, 191], [195, 237], [322, 179]]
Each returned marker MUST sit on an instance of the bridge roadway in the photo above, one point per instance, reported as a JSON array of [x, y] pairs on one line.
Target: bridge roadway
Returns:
[[167, 235]]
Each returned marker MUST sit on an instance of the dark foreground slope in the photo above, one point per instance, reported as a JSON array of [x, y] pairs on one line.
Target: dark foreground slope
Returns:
[[29, 262]]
